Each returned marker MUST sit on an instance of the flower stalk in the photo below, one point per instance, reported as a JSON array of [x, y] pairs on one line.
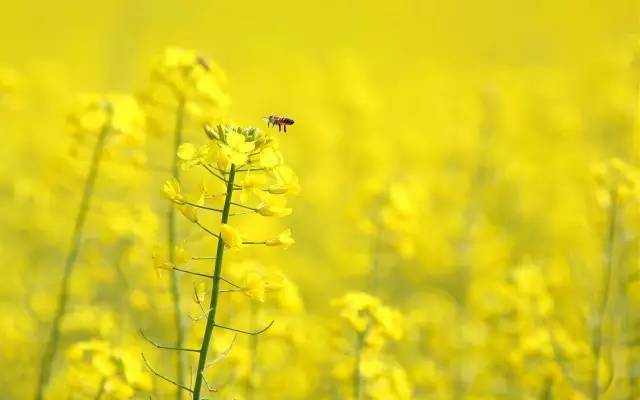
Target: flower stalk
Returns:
[[232, 146], [54, 334], [215, 291], [171, 243], [253, 348], [357, 374], [597, 336]]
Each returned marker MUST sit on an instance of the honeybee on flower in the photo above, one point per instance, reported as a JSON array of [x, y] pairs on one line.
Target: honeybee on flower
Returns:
[[282, 122]]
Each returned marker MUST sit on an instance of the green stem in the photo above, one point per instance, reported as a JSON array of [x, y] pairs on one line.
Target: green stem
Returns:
[[254, 353], [596, 341], [171, 243], [357, 375], [215, 291], [54, 333], [98, 395], [547, 386]]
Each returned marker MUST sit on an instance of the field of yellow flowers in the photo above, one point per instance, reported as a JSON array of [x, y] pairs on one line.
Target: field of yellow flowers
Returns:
[[454, 214]]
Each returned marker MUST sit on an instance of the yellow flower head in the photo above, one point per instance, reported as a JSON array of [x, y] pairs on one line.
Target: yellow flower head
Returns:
[[355, 308], [191, 75], [254, 286], [236, 147], [119, 113], [615, 179], [366, 313], [231, 236]]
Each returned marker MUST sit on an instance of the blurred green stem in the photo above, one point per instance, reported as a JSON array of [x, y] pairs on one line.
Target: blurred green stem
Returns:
[[215, 291], [547, 386], [171, 243], [251, 385], [98, 395], [596, 339], [54, 334], [357, 375]]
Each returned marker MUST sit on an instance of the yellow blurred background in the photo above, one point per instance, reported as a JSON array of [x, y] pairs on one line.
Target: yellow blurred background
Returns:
[[470, 165]]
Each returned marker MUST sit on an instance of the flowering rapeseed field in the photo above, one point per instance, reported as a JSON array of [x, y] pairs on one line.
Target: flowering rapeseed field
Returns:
[[453, 214]]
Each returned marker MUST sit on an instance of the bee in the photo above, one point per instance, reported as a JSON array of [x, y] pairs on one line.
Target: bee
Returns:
[[282, 122]]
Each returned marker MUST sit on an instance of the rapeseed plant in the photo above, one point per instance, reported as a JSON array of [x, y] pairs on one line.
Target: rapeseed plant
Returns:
[[102, 120], [449, 157], [374, 324], [248, 161], [98, 369], [190, 85]]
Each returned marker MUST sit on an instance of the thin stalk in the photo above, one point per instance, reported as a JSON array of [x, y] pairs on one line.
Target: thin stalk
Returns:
[[215, 291], [357, 375], [546, 392], [98, 395], [631, 349], [254, 354], [54, 334], [245, 207], [596, 340], [182, 202], [171, 243]]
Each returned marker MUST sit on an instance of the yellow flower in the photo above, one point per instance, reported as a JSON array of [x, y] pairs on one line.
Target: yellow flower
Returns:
[[223, 161], [270, 157], [90, 115], [354, 308], [171, 190], [236, 148], [283, 240], [389, 320], [278, 189], [287, 294], [189, 154], [366, 313], [615, 178], [251, 186], [189, 211], [128, 119], [287, 181], [134, 372], [231, 236], [121, 113], [182, 256], [191, 77], [267, 210], [254, 286], [120, 390], [160, 262], [375, 339], [253, 180], [103, 364]]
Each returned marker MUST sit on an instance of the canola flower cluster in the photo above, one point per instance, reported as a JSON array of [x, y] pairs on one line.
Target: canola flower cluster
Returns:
[[491, 252]]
